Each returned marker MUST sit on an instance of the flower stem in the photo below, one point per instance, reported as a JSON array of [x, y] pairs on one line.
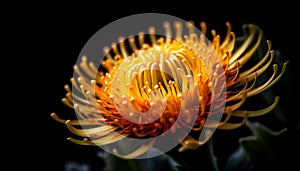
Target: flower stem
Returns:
[[202, 158], [212, 155]]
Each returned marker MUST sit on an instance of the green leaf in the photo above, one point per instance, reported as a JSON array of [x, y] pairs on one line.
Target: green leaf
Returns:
[[158, 163], [265, 148], [238, 161]]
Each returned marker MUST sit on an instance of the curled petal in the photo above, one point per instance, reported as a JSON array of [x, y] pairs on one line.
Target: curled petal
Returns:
[[144, 148]]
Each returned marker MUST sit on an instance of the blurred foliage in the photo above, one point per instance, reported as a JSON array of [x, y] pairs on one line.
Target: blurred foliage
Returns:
[[75, 166], [264, 150], [159, 163]]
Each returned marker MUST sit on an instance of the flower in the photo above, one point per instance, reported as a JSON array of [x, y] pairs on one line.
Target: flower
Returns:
[[159, 71]]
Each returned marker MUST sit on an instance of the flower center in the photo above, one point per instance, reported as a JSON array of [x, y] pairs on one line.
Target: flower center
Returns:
[[143, 92]]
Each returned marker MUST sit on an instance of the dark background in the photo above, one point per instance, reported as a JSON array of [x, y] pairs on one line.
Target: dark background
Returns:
[[56, 37]]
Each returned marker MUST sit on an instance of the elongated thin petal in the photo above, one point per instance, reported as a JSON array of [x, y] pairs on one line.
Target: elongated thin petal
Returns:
[[98, 131], [235, 125], [240, 113], [111, 138], [137, 152]]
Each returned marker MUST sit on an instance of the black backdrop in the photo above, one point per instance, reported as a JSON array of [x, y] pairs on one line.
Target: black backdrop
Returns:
[[62, 32]]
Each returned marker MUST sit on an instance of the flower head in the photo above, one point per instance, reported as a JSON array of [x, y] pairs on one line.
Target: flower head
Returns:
[[138, 90]]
